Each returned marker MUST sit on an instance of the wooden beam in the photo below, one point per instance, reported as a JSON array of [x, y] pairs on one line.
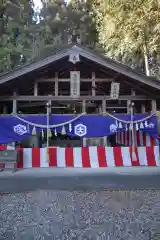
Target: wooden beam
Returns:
[[143, 108], [93, 84], [66, 93], [104, 111], [154, 106], [133, 93], [36, 89], [83, 93], [104, 106], [128, 106], [41, 114], [83, 106], [84, 140], [69, 98], [60, 105], [56, 84], [139, 88], [68, 80], [14, 104], [5, 109], [116, 67]]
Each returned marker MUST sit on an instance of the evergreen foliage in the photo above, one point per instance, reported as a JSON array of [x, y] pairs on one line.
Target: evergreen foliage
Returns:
[[126, 30]]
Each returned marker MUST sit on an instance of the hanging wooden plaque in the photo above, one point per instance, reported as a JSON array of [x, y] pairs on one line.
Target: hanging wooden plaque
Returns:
[[75, 83], [114, 90]]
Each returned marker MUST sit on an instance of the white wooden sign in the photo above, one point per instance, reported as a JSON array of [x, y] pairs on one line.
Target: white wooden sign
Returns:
[[75, 83], [115, 90]]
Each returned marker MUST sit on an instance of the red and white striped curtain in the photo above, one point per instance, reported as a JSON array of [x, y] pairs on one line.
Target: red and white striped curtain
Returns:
[[141, 139]]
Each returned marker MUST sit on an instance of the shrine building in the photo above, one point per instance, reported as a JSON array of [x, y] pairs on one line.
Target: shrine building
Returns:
[[80, 91]]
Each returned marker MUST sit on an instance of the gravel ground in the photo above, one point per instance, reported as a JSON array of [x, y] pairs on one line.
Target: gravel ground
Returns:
[[83, 215]]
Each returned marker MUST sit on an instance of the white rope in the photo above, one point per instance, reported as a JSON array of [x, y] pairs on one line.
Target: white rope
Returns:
[[74, 119], [129, 122], [50, 126]]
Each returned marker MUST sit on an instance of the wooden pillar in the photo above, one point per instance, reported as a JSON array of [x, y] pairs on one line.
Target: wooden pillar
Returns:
[[84, 106], [133, 93], [93, 84], [154, 106], [4, 109], [100, 110], [143, 108], [84, 111], [14, 105], [104, 106], [128, 106], [104, 111], [36, 89], [56, 84], [50, 104]]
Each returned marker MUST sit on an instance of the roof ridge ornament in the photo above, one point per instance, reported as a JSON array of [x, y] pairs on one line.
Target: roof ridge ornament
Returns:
[[74, 56]]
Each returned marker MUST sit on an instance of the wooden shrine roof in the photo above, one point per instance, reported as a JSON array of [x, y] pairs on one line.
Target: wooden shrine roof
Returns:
[[88, 54]]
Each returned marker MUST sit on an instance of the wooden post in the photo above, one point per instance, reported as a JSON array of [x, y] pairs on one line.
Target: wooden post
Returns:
[[128, 106], [104, 106], [100, 109], [84, 106], [50, 104], [36, 89], [154, 106], [84, 111], [143, 108], [56, 84], [93, 84], [104, 111], [133, 93], [14, 105], [34, 140], [4, 109]]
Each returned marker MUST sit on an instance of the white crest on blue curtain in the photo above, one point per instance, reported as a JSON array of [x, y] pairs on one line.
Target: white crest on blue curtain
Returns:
[[126, 127], [146, 124], [113, 128], [70, 127], [151, 125], [137, 127], [120, 125], [141, 125], [20, 129], [80, 130], [117, 123]]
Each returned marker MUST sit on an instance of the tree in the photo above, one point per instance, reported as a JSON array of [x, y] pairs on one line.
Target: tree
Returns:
[[51, 29], [129, 31], [16, 18], [81, 22], [62, 23]]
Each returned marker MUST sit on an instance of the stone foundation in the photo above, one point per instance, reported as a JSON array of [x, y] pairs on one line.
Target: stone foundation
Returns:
[[95, 215]]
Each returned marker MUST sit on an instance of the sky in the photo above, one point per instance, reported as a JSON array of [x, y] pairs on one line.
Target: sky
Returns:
[[37, 3]]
